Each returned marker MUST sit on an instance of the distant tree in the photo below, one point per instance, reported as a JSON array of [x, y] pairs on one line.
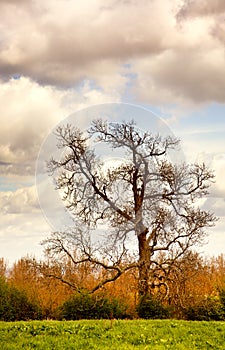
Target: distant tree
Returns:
[[195, 279], [3, 267], [14, 304], [189, 282], [145, 198], [26, 277]]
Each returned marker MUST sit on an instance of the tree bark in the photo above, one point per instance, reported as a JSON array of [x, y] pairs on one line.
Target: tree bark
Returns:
[[144, 263]]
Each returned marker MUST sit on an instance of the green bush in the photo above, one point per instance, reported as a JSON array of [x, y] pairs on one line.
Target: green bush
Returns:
[[88, 306], [151, 308], [14, 304], [222, 298], [208, 309]]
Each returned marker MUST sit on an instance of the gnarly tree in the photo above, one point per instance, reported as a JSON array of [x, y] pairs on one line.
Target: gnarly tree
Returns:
[[145, 199]]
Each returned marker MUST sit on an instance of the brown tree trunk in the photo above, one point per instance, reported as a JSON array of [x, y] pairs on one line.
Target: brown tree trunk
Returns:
[[144, 263]]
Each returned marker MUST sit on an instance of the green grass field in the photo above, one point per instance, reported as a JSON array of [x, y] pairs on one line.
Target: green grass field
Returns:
[[118, 335]]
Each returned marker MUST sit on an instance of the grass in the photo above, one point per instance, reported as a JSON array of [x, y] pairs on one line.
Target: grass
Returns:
[[104, 334]]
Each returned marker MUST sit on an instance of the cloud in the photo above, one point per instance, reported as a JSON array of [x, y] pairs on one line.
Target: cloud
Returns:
[[211, 11], [21, 234], [170, 60], [22, 225], [201, 8], [57, 57], [218, 165], [215, 200], [215, 240], [23, 200], [62, 47], [181, 78], [29, 111]]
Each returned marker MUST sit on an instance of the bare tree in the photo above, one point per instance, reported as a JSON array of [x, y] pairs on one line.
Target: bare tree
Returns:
[[145, 199]]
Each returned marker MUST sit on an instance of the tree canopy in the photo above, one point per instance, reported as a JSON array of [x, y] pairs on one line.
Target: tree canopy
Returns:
[[144, 198]]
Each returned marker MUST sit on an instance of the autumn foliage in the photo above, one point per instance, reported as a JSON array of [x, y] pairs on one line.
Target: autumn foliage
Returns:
[[196, 290]]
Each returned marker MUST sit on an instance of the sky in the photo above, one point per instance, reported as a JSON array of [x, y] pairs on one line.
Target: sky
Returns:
[[61, 56]]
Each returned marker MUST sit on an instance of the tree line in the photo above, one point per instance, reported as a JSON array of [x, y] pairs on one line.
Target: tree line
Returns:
[[29, 290]]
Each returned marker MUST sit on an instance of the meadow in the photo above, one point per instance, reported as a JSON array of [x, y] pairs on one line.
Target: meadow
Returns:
[[115, 334]]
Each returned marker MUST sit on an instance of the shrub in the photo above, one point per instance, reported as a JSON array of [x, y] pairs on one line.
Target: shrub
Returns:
[[149, 307], [14, 304], [222, 298], [88, 306], [208, 309]]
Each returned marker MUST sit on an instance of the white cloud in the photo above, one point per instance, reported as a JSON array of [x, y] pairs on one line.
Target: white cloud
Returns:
[[21, 234], [22, 224], [215, 162], [29, 111], [218, 164], [215, 239], [23, 200]]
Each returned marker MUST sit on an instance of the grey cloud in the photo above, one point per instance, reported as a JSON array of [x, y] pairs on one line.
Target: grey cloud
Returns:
[[65, 49], [4, 163], [17, 2], [194, 8], [21, 169], [192, 75], [218, 31], [64, 44], [213, 9]]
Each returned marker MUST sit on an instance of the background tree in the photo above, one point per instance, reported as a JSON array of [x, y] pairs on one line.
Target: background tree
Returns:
[[145, 199], [15, 305], [3, 267], [47, 293]]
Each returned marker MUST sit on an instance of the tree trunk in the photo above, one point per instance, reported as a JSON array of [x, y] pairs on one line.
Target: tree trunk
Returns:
[[145, 262]]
